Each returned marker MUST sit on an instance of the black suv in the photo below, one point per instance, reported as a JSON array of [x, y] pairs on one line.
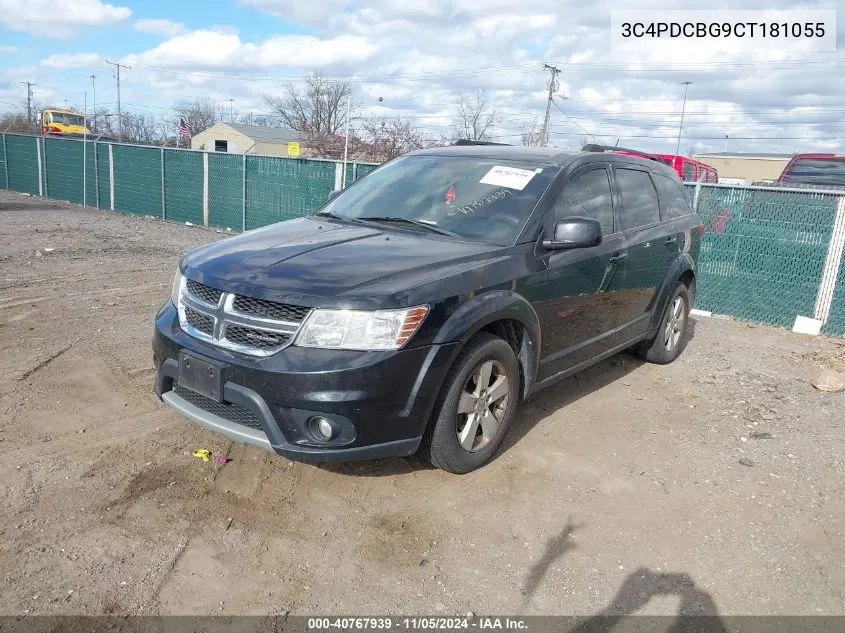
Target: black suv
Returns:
[[417, 308]]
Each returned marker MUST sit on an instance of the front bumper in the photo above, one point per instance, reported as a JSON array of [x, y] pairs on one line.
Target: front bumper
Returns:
[[379, 402]]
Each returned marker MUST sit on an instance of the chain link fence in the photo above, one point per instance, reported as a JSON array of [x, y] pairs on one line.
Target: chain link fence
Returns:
[[231, 191], [768, 253]]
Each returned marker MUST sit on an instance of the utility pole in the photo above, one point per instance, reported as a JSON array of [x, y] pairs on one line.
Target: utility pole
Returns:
[[29, 86], [119, 115], [94, 101], [552, 88], [231, 112], [686, 85], [726, 142]]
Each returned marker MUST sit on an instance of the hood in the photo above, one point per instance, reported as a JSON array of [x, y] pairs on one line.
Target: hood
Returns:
[[321, 263]]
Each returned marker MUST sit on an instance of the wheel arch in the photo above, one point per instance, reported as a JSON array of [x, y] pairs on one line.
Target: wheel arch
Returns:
[[682, 270], [507, 315]]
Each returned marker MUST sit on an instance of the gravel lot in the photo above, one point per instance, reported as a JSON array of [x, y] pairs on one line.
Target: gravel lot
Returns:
[[620, 490]]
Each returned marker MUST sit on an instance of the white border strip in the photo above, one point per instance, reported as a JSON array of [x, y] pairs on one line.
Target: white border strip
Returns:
[[830, 273], [701, 313]]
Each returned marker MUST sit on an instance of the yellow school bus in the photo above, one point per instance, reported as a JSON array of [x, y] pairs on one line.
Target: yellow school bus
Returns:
[[55, 121]]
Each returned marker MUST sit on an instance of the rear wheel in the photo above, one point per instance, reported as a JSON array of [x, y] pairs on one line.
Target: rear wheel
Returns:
[[475, 406], [670, 339]]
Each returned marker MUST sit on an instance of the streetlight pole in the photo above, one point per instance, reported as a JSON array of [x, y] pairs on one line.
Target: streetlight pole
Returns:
[[686, 85], [94, 102], [726, 142]]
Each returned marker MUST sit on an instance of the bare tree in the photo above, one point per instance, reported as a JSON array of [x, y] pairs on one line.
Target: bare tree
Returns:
[[390, 137], [532, 134], [143, 129], [476, 116], [199, 114], [318, 107]]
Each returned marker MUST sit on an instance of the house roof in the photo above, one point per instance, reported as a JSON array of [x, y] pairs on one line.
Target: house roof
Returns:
[[751, 155], [265, 134]]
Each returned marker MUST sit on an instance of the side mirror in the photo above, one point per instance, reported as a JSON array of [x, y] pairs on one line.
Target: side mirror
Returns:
[[574, 232], [332, 195]]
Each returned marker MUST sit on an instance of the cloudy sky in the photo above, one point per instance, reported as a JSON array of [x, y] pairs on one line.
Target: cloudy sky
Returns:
[[417, 55]]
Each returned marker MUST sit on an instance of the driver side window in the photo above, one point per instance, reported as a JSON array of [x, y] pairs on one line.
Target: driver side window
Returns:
[[587, 195]]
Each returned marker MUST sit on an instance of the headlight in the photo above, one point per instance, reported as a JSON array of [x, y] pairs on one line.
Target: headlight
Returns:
[[174, 291], [353, 329]]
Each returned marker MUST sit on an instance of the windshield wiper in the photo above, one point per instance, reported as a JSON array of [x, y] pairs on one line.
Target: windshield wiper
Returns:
[[417, 223]]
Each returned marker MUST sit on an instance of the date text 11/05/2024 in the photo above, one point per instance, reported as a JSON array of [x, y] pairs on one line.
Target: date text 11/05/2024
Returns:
[[418, 624]]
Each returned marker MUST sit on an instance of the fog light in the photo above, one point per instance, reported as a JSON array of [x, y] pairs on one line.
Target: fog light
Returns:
[[324, 427]]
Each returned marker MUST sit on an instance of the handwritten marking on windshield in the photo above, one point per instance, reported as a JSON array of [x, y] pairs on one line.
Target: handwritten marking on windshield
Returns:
[[480, 202]]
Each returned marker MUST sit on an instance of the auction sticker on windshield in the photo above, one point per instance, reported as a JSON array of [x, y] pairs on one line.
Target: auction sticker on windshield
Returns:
[[510, 177]]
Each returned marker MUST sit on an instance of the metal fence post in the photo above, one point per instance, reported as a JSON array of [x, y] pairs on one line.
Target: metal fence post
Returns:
[[44, 156], [96, 177], [38, 158], [243, 201], [111, 178], [830, 272], [697, 195], [163, 212], [205, 188], [84, 172], [6, 162]]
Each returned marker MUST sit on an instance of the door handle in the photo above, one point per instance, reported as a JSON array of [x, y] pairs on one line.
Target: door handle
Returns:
[[618, 257], [671, 240]]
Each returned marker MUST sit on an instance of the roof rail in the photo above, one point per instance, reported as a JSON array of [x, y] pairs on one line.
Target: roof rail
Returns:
[[466, 141], [592, 147]]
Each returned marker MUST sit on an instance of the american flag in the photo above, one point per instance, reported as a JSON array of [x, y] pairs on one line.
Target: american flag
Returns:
[[183, 128]]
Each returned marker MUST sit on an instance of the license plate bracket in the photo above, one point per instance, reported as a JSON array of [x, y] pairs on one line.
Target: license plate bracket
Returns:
[[202, 375]]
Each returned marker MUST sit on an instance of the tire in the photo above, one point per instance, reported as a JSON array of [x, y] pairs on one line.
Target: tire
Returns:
[[666, 346], [448, 442]]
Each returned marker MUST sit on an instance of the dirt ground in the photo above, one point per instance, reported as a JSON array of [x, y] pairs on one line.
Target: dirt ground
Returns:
[[620, 490]]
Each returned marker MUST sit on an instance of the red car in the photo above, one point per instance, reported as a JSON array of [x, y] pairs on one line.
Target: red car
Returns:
[[688, 169], [815, 169], [691, 170]]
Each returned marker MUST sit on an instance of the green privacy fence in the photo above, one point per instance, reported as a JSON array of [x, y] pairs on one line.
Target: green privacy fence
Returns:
[[770, 254], [232, 191]]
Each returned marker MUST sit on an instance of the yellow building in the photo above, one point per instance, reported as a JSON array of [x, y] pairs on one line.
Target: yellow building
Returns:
[[746, 167], [236, 138]]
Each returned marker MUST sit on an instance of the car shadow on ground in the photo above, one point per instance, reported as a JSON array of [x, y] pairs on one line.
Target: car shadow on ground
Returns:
[[528, 415]]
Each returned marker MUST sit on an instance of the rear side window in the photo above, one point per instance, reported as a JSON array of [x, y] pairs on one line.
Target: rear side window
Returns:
[[689, 171], [675, 202], [817, 171], [639, 198], [588, 195]]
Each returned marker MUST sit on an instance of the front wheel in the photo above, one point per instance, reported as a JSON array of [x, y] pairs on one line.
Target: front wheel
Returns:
[[670, 339], [475, 406]]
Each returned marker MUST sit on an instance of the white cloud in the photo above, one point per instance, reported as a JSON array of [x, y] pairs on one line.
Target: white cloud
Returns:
[[58, 19], [167, 28], [417, 55], [206, 49], [70, 60], [8, 49]]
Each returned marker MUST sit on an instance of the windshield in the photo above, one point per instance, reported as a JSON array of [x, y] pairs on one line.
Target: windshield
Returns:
[[478, 199], [817, 171], [66, 119]]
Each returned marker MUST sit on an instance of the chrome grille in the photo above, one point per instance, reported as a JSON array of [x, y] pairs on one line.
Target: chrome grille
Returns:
[[226, 410], [269, 309], [200, 321], [204, 293], [256, 338], [257, 327]]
